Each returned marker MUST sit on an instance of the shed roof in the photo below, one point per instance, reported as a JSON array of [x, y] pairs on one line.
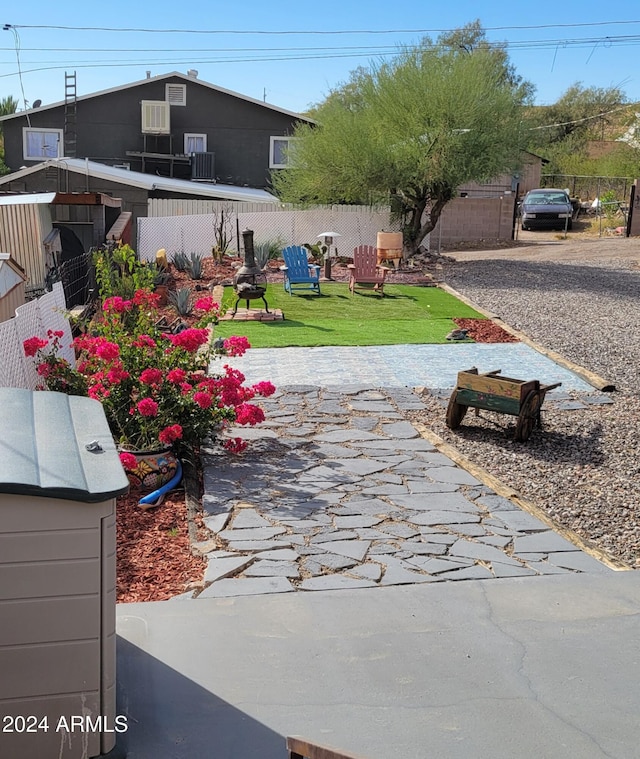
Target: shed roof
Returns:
[[27, 198], [11, 274], [150, 182]]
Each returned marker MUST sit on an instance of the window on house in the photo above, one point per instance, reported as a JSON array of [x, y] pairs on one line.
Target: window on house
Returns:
[[175, 94], [280, 149], [42, 143], [195, 143]]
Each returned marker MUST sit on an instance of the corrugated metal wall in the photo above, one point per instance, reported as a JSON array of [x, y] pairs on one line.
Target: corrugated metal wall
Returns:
[[22, 230]]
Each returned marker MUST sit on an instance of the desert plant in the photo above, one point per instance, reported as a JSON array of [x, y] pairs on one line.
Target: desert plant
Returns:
[[316, 250], [181, 300], [262, 254], [222, 233], [181, 261], [120, 273], [194, 266]]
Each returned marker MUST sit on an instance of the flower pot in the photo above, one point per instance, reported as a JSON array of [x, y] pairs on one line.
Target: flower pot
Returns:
[[162, 291], [152, 469]]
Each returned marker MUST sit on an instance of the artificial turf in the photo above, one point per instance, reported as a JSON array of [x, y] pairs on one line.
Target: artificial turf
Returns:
[[407, 314]]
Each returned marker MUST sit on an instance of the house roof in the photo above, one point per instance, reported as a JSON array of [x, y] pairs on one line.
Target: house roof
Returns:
[[148, 182], [158, 78]]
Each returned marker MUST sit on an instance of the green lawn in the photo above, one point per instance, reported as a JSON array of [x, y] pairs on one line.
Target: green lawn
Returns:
[[406, 314]]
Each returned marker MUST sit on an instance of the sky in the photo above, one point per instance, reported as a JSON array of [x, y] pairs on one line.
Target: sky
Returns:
[[292, 54]]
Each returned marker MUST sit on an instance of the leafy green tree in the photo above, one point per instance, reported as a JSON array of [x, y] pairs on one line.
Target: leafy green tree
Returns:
[[561, 132], [410, 132], [8, 105]]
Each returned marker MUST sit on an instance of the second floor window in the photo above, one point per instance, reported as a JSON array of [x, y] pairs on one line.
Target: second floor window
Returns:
[[39, 144], [280, 150]]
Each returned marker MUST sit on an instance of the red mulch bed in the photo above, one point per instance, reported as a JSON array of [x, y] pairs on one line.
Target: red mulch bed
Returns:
[[485, 331], [154, 560]]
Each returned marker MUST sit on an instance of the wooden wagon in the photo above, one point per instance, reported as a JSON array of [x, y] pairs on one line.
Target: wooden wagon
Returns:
[[521, 398]]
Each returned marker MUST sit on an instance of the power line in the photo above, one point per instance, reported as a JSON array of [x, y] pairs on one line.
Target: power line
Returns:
[[305, 31]]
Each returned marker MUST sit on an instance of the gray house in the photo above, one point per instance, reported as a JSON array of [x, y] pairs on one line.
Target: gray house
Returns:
[[174, 125]]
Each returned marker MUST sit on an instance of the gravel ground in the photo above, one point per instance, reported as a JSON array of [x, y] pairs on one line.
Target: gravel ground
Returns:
[[583, 467]]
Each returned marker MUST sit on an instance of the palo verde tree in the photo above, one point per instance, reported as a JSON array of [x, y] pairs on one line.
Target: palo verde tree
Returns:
[[411, 131]]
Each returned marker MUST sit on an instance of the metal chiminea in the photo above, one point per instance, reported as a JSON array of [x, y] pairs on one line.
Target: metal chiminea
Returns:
[[250, 282]]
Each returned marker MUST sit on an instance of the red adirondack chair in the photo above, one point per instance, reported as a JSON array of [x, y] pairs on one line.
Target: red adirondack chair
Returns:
[[365, 271]]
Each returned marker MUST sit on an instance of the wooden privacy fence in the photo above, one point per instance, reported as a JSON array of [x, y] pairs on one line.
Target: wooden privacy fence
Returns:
[[33, 319]]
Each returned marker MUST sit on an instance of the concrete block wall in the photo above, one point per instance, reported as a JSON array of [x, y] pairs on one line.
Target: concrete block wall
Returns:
[[474, 219]]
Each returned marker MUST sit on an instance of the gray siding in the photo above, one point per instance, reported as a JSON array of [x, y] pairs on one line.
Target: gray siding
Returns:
[[109, 125]]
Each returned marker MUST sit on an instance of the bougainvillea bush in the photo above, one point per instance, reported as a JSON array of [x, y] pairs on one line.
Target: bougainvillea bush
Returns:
[[156, 388]]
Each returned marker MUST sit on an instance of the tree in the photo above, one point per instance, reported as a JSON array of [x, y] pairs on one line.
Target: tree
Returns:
[[7, 105], [561, 131], [410, 132]]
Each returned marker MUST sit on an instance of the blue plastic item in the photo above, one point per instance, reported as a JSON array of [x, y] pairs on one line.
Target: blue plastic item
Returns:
[[157, 496]]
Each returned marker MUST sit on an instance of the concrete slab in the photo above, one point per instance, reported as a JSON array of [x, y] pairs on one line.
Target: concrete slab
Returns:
[[518, 667]]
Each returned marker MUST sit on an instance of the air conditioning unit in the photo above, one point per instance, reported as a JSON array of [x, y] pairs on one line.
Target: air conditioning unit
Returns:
[[203, 167], [156, 117]]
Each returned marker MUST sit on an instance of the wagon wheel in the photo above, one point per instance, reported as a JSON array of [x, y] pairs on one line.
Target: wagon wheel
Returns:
[[455, 412], [528, 416]]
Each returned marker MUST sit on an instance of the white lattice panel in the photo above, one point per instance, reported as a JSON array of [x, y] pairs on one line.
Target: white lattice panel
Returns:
[[357, 225], [52, 318], [29, 324], [12, 366]]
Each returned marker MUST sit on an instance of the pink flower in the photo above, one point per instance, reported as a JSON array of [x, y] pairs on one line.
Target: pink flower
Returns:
[[108, 351], [147, 407], [236, 345], [247, 413], [206, 304], [117, 305], [33, 344], [144, 341], [264, 388], [170, 434], [234, 445], [128, 460], [176, 376], [117, 374], [190, 339], [151, 376], [146, 298], [204, 400]]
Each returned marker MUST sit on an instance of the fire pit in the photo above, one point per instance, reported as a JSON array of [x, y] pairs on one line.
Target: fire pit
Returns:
[[250, 282]]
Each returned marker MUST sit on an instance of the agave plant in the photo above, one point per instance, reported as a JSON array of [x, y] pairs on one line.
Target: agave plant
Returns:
[[194, 266], [181, 300], [181, 261]]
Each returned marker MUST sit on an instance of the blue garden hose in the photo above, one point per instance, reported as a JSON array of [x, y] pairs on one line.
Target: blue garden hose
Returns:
[[157, 496]]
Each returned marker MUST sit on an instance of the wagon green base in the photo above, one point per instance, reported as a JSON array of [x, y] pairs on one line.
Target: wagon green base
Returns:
[[506, 395]]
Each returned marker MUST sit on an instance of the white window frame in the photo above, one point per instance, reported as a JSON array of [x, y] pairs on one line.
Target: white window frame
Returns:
[[175, 88], [272, 142], [59, 133], [187, 136]]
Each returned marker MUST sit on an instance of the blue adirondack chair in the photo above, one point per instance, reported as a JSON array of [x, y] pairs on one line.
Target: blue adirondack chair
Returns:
[[299, 274]]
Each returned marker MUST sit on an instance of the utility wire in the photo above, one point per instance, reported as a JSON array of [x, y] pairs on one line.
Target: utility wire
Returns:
[[305, 31]]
